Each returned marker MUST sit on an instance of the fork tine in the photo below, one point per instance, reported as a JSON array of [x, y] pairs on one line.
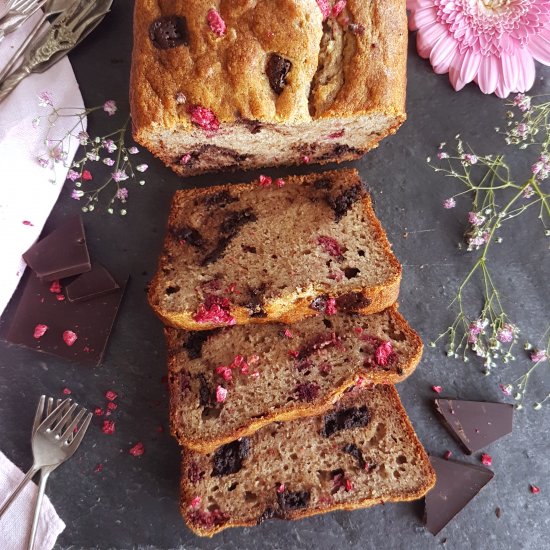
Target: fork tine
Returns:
[[54, 417], [73, 445], [66, 418], [39, 413], [70, 429]]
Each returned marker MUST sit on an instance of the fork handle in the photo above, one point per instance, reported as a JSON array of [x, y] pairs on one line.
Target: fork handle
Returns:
[[7, 87], [38, 505], [28, 476]]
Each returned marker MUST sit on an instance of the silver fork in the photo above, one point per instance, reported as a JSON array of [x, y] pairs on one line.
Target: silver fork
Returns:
[[17, 14]]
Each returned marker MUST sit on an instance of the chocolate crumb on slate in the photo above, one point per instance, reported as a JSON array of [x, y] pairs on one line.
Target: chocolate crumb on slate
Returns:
[[277, 69], [354, 417], [228, 459], [169, 32]]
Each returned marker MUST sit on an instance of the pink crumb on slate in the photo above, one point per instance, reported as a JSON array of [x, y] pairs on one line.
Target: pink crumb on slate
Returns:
[[137, 450], [39, 331], [69, 337]]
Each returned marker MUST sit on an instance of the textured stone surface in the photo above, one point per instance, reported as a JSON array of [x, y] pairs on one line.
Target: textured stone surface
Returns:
[[133, 502]]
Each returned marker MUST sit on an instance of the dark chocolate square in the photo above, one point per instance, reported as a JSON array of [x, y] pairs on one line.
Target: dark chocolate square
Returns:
[[92, 284]]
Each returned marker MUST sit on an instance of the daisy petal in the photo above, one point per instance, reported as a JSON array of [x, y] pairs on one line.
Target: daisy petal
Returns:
[[488, 74], [539, 48], [501, 90], [510, 71], [443, 53], [470, 66], [422, 17], [427, 37], [526, 74]]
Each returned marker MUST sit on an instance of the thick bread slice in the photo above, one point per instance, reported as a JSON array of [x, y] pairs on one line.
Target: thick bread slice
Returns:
[[230, 382], [361, 453], [238, 254]]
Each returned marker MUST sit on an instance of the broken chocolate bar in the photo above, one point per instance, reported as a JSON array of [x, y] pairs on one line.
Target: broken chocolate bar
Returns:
[[457, 484], [60, 254], [475, 424], [92, 284], [47, 322]]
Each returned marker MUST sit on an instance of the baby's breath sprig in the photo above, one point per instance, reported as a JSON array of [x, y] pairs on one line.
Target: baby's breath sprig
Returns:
[[110, 149], [495, 200]]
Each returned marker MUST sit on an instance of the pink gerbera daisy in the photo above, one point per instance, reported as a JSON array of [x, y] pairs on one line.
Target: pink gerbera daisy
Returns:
[[491, 42]]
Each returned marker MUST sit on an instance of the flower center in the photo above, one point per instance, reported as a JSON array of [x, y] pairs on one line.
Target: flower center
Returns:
[[494, 4]]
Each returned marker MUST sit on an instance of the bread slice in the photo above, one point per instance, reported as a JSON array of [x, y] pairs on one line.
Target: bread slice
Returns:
[[230, 382], [361, 453], [238, 254], [278, 82]]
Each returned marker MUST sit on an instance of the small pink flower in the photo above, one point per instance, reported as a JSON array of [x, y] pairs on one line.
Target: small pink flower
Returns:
[[472, 159], [122, 194], [73, 175], [215, 22], [475, 218], [493, 43], [538, 355], [449, 203], [541, 168], [69, 337], [506, 390], [185, 159], [505, 334], [325, 7], [120, 175], [57, 154], [142, 167], [486, 459], [110, 107], [76, 194], [108, 161], [478, 240], [133, 150], [45, 99], [522, 102], [528, 192], [109, 145], [442, 155], [221, 394], [39, 331], [43, 162], [83, 137], [265, 181], [437, 389]]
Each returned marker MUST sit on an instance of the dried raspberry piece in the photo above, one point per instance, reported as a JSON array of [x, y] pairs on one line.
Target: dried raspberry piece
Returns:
[[196, 502], [69, 337], [215, 22], [330, 308], [348, 486], [111, 395], [194, 474], [534, 489], [341, 481], [287, 333], [358, 330], [325, 367], [112, 406], [86, 176], [307, 391], [331, 246], [208, 519], [59, 297], [98, 467], [486, 459], [55, 287], [99, 412], [306, 159], [280, 182], [294, 353], [185, 159], [447, 455], [137, 450], [281, 488], [39, 331], [214, 310], [265, 181], [221, 394], [437, 389], [27, 222], [205, 118], [336, 135], [338, 8], [383, 353], [224, 372], [108, 427], [337, 275], [324, 6], [67, 391]]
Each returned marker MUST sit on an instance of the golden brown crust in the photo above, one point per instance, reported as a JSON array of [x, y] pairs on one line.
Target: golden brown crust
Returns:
[[297, 307], [420, 453], [301, 410], [227, 74]]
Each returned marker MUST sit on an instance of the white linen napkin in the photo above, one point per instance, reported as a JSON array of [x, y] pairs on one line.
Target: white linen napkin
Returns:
[[28, 191], [15, 524]]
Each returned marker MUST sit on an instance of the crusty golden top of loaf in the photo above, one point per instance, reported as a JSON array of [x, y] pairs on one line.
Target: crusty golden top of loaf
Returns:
[[361, 71]]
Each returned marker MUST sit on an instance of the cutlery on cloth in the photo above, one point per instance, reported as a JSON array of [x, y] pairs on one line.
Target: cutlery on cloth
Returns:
[[18, 12], [67, 31], [54, 441]]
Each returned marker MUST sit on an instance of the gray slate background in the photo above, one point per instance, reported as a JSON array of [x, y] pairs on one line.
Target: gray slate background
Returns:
[[133, 503]]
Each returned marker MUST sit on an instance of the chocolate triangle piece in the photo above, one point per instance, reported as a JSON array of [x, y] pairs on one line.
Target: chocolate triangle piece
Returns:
[[60, 254], [91, 284], [475, 424], [457, 484]]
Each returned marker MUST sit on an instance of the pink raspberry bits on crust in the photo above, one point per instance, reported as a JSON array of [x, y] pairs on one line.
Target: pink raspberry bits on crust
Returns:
[[137, 450], [307, 391], [331, 246], [225, 373], [69, 337], [281, 488], [287, 333], [265, 181], [280, 182], [204, 118], [221, 394], [331, 307], [55, 287], [111, 395], [214, 310], [215, 22], [185, 159], [108, 427], [196, 502], [486, 459], [39, 331], [338, 8], [324, 6], [336, 135], [383, 353]]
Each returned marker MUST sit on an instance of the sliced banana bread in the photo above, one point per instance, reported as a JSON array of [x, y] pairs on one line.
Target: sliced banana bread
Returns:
[[273, 251], [227, 383], [362, 452]]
